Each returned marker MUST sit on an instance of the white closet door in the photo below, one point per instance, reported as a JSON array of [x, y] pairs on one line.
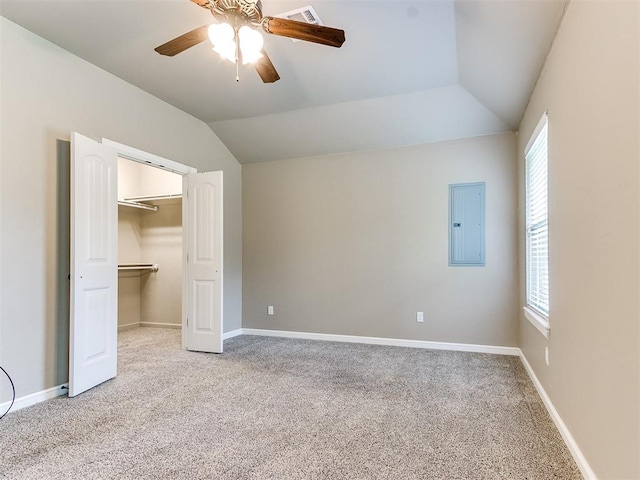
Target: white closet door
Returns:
[[203, 251], [94, 264]]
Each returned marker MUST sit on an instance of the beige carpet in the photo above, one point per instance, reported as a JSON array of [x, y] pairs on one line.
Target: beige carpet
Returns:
[[271, 408]]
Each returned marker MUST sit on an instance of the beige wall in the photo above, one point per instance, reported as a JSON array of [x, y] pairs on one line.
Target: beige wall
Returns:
[[161, 292], [46, 93], [150, 237], [357, 243], [129, 251], [129, 173], [139, 179], [590, 88]]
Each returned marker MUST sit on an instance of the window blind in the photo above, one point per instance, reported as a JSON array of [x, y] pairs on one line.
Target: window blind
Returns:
[[537, 222]]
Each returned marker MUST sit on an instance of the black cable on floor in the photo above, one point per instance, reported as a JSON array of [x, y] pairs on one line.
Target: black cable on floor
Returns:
[[13, 388]]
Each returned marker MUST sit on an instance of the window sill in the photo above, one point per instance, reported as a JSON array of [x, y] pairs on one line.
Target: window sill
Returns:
[[537, 320]]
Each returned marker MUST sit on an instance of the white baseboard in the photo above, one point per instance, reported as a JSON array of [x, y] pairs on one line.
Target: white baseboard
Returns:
[[575, 451], [396, 342], [127, 326], [579, 458], [160, 325], [34, 398], [231, 334], [131, 326], [584, 467]]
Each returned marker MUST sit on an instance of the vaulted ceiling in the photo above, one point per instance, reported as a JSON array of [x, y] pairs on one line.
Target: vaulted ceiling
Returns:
[[410, 72]]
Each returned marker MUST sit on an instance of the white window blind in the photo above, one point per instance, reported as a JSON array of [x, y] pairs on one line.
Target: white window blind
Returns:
[[537, 221]]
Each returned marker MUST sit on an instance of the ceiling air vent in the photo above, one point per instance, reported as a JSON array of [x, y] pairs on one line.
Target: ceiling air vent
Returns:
[[304, 14]]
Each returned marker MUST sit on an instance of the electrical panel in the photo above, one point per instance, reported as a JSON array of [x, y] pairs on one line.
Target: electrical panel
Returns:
[[466, 224]]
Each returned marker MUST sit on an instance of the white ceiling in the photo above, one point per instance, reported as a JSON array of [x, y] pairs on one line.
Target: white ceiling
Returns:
[[410, 72]]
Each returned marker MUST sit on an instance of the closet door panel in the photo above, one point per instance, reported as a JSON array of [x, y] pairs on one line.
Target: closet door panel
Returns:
[[94, 265], [203, 252]]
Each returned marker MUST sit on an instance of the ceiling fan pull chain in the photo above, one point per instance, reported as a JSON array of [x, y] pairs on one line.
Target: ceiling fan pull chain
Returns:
[[237, 39]]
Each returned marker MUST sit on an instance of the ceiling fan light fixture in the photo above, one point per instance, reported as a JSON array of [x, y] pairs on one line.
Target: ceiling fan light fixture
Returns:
[[222, 36], [251, 43], [227, 51], [220, 33], [251, 57]]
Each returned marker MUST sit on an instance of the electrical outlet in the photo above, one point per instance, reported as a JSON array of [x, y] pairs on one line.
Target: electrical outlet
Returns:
[[546, 355], [420, 317], [270, 310]]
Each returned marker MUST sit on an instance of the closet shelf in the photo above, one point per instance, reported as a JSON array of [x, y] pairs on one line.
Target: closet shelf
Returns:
[[139, 266], [151, 198], [143, 206], [141, 202]]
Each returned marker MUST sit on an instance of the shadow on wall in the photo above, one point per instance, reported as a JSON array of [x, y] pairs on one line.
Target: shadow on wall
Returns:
[[61, 334]]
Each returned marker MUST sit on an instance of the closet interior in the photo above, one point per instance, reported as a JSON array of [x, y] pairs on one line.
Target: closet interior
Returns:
[[149, 246]]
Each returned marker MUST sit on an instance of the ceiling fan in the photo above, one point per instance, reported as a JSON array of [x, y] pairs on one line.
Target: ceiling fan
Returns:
[[235, 36]]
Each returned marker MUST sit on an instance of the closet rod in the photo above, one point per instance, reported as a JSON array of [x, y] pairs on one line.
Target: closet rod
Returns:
[[139, 266], [143, 206]]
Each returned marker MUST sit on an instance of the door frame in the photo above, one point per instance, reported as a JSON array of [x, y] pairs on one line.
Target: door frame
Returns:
[[146, 158], [141, 156]]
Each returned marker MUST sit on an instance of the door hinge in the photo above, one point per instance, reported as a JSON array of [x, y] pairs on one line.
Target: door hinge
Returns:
[[187, 321]]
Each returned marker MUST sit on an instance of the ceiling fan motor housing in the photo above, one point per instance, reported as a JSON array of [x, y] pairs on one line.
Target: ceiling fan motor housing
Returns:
[[249, 10]]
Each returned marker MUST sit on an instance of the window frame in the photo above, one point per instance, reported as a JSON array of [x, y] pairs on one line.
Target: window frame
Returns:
[[537, 316]]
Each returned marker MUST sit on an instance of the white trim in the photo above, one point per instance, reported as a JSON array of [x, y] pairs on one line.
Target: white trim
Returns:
[[232, 333], [537, 320], [544, 120], [36, 397], [577, 454], [581, 461], [397, 342], [161, 325], [575, 451], [140, 156], [128, 326]]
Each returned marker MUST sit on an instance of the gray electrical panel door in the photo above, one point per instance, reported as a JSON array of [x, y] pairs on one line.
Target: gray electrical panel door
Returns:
[[466, 224]]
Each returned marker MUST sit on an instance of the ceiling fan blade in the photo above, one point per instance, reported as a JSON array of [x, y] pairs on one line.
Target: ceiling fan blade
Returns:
[[304, 31], [265, 69], [183, 42]]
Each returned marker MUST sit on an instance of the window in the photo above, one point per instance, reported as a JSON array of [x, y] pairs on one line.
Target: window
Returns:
[[537, 233]]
